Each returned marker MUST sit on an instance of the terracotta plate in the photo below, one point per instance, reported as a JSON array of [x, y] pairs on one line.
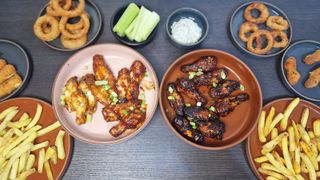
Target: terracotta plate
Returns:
[[29, 105], [253, 146], [117, 57], [242, 120]]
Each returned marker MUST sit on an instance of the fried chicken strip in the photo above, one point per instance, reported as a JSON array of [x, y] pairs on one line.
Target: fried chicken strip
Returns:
[[10, 85], [314, 79], [6, 72], [312, 58]]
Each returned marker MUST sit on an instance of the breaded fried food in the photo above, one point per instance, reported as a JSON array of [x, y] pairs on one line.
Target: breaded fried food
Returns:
[[314, 79], [10, 85], [6, 72], [2, 63], [312, 58], [290, 66]]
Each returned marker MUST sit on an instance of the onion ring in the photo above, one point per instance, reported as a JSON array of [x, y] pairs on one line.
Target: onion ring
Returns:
[[277, 23], [283, 39], [54, 25], [78, 34], [264, 13], [73, 43], [75, 26], [245, 28], [256, 35], [65, 4], [68, 13]]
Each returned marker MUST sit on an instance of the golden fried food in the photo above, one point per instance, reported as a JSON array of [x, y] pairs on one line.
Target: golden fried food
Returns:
[[312, 58], [10, 85], [246, 28], [43, 21], [2, 63], [290, 66], [74, 34], [263, 10], [282, 37], [85, 88], [6, 72], [277, 23], [102, 71], [73, 43], [68, 13], [70, 88], [65, 4], [314, 79], [123, 85], [137, 72], [76, 26], [254, 37]]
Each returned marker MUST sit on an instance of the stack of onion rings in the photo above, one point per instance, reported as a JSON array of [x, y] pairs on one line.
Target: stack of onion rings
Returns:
[[254, 36], [55, 23]]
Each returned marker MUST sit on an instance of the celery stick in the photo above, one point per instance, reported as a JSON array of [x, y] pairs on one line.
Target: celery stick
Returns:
[[126, 18], [130, 28], [139, 18], [149, 25], [145, 16]]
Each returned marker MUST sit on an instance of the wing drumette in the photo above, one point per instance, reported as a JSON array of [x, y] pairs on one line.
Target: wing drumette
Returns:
[[187, 87], [204, 64], [212, 129], [211, 78], [224, 88], [85, 88], [182, 125], [224, 106], [119, 111], [137, 72], [123, 85], [175, 100]]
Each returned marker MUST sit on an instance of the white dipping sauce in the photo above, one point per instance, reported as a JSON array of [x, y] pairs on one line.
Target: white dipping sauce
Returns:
[[186, 31]]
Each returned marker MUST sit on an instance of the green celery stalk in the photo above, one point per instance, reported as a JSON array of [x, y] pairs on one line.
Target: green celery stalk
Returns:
[[145, 16], [126, 18], [129, 30], [149, 25]]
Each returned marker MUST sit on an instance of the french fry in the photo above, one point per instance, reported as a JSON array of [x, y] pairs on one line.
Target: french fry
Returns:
[[271, 173], [304, 168], [35, 118], [17, 132], [278, 157], [279, 166], [274, 133], [41, 160], [49, 153], [287, 113], [303, 133], [308, 151], [22, 162], [269, 121], [26, 173], [268, 166], [31, 138], [59, 144], [275, 121], [261, 123], [297, 161], [14, 169], [49, 128], [7, 119], [286, 154], [261, 159], [299, 177], [318, 174], [316, 127], [304, 118], [19, 124], [271, 178], [54, 157], [4, 113], [48, 170], [292, 143], [308, 163], [297, 135], [268, 147], [40, 145], [311, 134], [30, 161]]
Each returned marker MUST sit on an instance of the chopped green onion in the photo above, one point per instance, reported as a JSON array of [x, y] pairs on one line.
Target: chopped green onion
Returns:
[[142, 96], [89, 118], [101, 83], [62, 102], [188, 105], [199, 73], [212, 108], [142, 110], [214, 85], [170, 97], [146, 74], [125, 112], [170, 89], [193, 124], [199, 70], [199, 104], [242, 87], [106, 87], [223, 75], [191, 75]]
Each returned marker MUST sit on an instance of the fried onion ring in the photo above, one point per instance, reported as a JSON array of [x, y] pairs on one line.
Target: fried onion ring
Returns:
[[78, 34], [245, 28], [41, 33], [254, 37], [264, 13], [73, 43], [283, 39], [76, 26], [68, 13], [277, 23], [65, 4]]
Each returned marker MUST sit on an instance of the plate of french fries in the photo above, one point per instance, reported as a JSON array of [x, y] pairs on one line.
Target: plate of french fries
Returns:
[[33, 145], [286, 142]]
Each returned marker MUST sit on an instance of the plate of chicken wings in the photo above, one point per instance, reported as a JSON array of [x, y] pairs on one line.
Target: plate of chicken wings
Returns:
[[210, 99], [105, 94]]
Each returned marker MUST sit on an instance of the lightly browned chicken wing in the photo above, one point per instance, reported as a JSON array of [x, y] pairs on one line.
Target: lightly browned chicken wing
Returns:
[[176, 101], [137, 72], [85, 88], [102, 71], [212, 129], [223, 107], [204, 64], [211, 78], [123, 85], [187, 87], [224, 88], [184, 127], [119, 111]]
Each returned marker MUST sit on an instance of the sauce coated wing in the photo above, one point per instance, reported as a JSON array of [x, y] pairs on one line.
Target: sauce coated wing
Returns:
[[224, 89], [123, 85], [84, 86], [102, 71], [176, 101], [205, 64], [137, 72], [211, 78], [187, 87], [182, 125], [224, 106]]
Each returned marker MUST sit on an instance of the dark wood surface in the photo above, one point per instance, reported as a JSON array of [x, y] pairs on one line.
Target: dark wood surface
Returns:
[[156, 153]]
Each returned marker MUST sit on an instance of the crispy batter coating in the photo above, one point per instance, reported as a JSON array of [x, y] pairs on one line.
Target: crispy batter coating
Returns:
[[10, 85], [314, 79], [312, 58], [290, 66], [2, 63], [6, 72]]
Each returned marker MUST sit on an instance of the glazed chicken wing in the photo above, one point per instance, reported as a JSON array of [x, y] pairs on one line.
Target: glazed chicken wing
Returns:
[[176, 101], [182, 125], [137, 72], [119, 111], [85, 88], [70, 88], [102, 71], [187, 87], [211, 78], [204, 64], [224, 89], [224, 106], [199, 113], [212, 129], [123, 85]]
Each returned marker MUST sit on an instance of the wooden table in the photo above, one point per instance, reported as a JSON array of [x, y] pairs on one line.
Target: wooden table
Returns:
[[156, 153]]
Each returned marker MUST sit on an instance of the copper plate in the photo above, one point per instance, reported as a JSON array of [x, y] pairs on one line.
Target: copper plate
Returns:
[[29, 105], [253, 146], [242, 120]]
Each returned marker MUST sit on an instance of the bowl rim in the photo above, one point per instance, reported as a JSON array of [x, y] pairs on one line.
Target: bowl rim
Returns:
[[71, 140], [284, 77], [190, 9], [28, 71], [100, 21], [247, 51], [132, 43], [193, 143], [117, 141], [247, 145]]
